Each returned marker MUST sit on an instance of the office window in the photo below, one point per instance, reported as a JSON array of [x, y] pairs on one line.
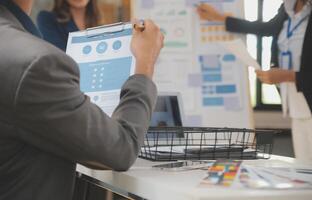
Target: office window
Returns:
[[251, 14], [263, 96], [270, 94]]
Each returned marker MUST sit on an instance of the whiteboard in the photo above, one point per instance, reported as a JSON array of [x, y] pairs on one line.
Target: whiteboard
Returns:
[[213, 83]]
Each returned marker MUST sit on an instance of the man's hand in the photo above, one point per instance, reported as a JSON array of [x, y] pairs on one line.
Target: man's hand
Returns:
[[207, 12], [146, 46], [276, 76]]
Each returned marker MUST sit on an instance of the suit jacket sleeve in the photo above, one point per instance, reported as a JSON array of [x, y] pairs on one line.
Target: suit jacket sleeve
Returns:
[[303, 77], [269, 28], [53, 115]]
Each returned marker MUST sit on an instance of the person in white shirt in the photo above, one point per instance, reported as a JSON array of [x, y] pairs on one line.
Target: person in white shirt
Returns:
[[291, 29]]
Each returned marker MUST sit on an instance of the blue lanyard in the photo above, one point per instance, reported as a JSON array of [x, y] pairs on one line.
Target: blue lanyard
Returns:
[[290, 32]]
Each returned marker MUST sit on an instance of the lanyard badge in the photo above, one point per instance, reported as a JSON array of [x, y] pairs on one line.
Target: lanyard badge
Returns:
[[286, 56], [286, 60]]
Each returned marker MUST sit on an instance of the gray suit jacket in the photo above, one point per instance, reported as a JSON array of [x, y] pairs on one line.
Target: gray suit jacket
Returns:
[[47, 124]]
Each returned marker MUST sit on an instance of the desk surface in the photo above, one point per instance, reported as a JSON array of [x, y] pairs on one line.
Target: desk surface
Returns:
[[153, 184]]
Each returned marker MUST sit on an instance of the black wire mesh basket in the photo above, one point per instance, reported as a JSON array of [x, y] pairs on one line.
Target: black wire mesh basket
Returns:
[[190, 143]]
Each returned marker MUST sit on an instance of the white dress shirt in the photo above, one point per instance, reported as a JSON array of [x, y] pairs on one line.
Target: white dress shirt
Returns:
[[290, 43]]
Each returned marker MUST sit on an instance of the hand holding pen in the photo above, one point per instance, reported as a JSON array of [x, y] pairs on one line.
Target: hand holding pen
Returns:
[[139, 25], [147, 41]]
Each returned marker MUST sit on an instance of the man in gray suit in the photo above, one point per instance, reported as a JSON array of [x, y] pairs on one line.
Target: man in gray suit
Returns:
[[47, 125]]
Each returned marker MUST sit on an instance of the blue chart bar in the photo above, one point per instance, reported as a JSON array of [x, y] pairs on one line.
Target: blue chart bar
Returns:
[[104, 75], [212, 77], [207, 69], [213, 101], [229, 58], [225, 89]]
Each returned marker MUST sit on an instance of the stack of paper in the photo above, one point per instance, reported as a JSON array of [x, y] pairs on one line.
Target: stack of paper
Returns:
[[239, 49], [198, 152]]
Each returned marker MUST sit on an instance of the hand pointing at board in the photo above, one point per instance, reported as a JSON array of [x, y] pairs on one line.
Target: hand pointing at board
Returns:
[[208, 12], [273, 76]]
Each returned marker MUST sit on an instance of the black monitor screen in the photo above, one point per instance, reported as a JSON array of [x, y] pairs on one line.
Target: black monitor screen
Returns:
[[167, 112]]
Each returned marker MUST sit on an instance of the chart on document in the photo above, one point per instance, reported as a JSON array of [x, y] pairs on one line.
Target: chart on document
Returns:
[[105, 63], [212, 79], [174, 19], [209, 31], [220, 85]]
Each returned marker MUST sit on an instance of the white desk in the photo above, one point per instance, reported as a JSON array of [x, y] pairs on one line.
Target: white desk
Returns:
[[153, 184]]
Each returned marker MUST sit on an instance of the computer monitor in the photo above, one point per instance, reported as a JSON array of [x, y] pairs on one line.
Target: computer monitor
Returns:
[[168, 111]]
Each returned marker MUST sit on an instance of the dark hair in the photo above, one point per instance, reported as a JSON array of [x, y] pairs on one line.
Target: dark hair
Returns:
[[307, 2], [63, 15]]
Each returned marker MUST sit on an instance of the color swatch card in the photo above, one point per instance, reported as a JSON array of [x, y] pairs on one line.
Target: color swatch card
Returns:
[[105, 62], [222, 173]]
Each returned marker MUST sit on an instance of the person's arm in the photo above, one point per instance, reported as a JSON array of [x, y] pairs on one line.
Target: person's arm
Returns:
[[49, 29], [207, 12], [276, 76], [53, 115]]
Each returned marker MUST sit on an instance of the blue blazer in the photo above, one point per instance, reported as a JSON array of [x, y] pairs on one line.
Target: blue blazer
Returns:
[[54, 32]]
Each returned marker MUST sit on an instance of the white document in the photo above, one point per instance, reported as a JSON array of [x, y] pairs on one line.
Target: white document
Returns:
[[174, 20], [279, 178], [105, 62], [239, 49], [293, 102], [221, 81], [178, 66]]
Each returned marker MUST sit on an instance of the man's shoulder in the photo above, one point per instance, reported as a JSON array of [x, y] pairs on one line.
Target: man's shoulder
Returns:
[[20, 47], [17, 42], [23, 56]]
